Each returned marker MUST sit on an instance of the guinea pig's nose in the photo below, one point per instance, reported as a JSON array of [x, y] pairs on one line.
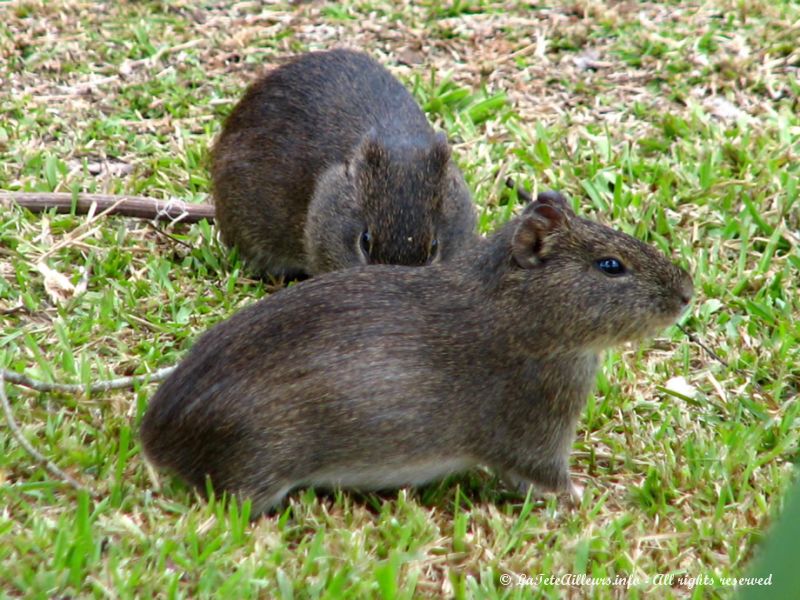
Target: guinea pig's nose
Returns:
[[686, 288]]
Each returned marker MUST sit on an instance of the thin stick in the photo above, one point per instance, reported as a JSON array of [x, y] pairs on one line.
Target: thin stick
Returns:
[[151, 60], [138, 207], [51, 467], [83, 230], [693, 338], [77, 388], [169, 237], [758, 387]]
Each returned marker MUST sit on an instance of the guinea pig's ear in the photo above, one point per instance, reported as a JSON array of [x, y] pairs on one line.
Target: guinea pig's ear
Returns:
[[369, 152], [440, 151], [557, 199], [372, 149], [537, 223]]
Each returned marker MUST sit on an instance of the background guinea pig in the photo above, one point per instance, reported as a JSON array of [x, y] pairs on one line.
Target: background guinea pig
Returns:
[[327, 162]]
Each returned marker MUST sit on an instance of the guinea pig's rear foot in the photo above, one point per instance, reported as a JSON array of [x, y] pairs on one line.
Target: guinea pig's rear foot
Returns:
[[267, 499], [281, 278], [551, 478]]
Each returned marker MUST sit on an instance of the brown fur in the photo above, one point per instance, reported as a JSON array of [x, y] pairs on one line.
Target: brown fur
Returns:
[[385, 375], [324, 148]]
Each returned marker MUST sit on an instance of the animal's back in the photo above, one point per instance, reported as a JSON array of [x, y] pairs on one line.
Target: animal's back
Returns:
[[296, 357], [334, 97]]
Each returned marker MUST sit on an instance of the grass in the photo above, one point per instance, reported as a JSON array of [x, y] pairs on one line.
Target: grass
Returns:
[[675, 123]]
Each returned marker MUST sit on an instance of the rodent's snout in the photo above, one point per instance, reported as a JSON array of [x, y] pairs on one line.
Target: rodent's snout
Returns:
[[686, 288]]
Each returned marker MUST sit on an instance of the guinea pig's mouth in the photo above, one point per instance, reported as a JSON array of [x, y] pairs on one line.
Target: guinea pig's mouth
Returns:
[[672, 316], [684, 307], [667, 317]]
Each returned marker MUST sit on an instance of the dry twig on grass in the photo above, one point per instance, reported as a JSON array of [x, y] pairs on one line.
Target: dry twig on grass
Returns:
[[77, 388], [138, 207], [43, 386], [51, 467]]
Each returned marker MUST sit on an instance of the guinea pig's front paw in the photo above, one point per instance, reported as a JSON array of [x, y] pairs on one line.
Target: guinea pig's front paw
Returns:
[[567, 490], [575, 493], [519, 485]]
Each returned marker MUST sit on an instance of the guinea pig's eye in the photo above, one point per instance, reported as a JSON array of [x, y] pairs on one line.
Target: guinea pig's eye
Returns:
[[611, 266], [366, 243], [434, 249]]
